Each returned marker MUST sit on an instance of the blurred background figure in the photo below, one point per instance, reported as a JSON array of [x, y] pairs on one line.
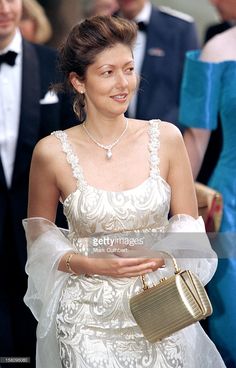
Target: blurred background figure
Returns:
[[104, 7], [34, 24], [215, 143], [202, 11], [209, 90], [28, 112], [164, 36], [99, 7], [226, 20], [63, 15]]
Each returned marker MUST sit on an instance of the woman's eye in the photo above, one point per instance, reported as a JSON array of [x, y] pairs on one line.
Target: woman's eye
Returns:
[[107, 73], [130, 70]]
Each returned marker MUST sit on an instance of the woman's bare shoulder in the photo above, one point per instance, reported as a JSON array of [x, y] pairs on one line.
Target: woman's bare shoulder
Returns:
[[221, 47], [170, 133], [47, 148], [165, 127]]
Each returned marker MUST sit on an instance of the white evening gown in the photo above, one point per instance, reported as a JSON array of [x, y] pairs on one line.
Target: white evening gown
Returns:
[[85, 322]]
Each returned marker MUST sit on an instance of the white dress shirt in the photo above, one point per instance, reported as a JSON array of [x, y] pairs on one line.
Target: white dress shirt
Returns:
[[10, 101], [139, 50]]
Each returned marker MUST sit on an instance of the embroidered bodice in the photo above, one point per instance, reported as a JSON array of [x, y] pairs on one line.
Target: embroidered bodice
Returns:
[[98, 305], [90, 210]]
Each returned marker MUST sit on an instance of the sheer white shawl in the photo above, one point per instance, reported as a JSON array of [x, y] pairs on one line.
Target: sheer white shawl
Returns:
[[46, 243]]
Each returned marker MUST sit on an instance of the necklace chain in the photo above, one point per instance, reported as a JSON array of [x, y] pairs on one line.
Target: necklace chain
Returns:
[[107, 147]]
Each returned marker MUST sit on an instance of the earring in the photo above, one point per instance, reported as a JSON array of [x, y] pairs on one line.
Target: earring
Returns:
[[81, 92]]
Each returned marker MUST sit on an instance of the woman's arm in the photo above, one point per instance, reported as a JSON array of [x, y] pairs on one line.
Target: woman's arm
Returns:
[[43, 190], [180, 179], [196, 142], [185, 236]]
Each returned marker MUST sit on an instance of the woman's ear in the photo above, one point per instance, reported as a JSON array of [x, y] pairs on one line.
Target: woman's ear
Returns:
[[76, 83]]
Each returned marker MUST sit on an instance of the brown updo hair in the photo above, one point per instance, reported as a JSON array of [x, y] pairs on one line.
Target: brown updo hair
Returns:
[[85, 41]]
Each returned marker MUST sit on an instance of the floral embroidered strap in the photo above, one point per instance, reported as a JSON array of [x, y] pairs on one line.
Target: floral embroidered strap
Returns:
[[154, 146], [71, 157]]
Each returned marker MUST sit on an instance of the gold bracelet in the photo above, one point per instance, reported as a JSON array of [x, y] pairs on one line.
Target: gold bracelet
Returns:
[[68, 259]]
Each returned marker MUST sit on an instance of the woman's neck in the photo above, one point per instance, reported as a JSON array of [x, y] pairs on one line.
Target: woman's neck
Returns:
[[105, 129]]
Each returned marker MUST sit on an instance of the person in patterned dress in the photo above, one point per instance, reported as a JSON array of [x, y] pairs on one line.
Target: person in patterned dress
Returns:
[[113, 175]]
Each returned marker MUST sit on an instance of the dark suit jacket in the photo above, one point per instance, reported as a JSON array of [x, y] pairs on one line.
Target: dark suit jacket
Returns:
[[36, 121], [161, 75], [17, 324]]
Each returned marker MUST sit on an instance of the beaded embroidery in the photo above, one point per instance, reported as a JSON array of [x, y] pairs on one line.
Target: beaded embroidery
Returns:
[[72, 158]]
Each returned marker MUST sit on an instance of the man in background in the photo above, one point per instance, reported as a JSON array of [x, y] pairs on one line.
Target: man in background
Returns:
[[164, 36], [103, 7], [28, 112]]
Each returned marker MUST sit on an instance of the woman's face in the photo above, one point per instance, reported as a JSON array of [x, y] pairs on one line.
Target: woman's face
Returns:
[[110, 81], [226, 8]]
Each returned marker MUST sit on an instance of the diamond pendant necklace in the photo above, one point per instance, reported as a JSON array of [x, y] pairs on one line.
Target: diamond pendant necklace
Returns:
[[107, 147]]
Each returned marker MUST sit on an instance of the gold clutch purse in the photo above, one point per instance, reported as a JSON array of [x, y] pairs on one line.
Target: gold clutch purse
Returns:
[[174, 303]]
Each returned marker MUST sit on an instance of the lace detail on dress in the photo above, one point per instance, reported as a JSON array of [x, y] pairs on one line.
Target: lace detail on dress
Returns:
[[73, 160], [71, 157], [94, 210], [95, 327], [154, 146]]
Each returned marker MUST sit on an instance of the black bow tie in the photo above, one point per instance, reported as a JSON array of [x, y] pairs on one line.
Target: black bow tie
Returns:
[[8, 58], [142, 26]]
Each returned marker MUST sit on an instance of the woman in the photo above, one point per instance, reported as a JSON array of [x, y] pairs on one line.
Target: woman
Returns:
[[34, 24], [114, 175], [208, 90]]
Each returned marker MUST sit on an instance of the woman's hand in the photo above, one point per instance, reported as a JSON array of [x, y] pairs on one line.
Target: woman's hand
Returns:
[[112, 265]]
